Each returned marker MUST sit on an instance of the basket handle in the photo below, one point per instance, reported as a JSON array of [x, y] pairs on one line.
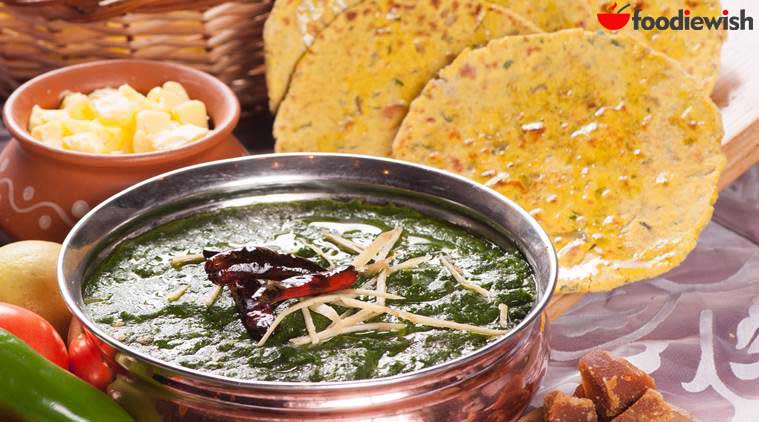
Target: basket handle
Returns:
[[95, 10]]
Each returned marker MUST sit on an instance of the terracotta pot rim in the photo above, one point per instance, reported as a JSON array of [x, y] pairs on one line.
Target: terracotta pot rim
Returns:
[[223, 126]]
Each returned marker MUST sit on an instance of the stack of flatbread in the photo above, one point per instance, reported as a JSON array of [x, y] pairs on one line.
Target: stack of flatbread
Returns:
[[609, 139]]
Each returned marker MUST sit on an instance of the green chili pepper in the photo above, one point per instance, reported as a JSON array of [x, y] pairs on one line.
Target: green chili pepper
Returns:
[[35, 389]]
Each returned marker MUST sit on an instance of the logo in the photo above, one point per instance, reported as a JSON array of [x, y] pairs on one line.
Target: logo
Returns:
[[614, 21], [683, 21]]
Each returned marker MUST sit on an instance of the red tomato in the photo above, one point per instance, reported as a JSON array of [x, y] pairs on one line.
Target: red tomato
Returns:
[[85, 358], [34, 331]]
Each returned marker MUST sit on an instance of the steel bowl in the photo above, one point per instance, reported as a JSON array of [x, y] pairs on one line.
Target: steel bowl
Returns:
[[494, 383]]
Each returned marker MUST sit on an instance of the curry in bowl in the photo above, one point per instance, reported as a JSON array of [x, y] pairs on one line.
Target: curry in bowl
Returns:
[[309, 291]]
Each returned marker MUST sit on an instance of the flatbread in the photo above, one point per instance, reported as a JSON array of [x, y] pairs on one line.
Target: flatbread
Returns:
[[293, 25], [351, 90], [290, 29], [697, 51], [552, 15], [610, 145]]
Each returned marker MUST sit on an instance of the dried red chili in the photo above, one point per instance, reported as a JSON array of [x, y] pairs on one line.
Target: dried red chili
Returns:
[[256, 315], [227, 267], [260, 278], [314, 284]]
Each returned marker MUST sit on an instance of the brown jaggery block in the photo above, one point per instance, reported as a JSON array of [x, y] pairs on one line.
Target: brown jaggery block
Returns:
[[579, 392], [651, 407], [536, 415], [612, 383], [560, 407]]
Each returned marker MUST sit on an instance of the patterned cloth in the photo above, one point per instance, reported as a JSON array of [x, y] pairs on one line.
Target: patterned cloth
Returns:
[[696, 329]]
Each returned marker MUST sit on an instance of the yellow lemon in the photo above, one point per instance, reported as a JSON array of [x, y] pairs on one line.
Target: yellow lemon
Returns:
[[28, 279]]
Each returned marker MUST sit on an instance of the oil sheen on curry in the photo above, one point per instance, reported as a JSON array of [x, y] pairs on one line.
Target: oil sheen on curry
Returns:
[[309, 291]]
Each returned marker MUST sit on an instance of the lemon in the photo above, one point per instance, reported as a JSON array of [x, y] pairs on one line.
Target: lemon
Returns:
[[28, 279]]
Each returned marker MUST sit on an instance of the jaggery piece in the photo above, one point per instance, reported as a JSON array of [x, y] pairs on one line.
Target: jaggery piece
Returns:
[[560, 407], [651, 407], [612, 383], [579, 392], [536, 415]]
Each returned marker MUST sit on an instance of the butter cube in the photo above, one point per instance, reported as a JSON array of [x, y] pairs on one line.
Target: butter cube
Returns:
[[191, 112], [114, 139], [72, 126], [141, 142], [40, 116], [112, 108], [178, 136], [149, 123], [78, 106], [139, 101], [176, 88], [50, 133], [170, 95], [131, 94], [85, 142]]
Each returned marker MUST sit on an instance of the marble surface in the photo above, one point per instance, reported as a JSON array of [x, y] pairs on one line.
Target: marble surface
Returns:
[[696, 329]]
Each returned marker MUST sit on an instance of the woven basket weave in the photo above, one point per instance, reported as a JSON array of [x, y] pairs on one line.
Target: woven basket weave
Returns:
[[221, 38]]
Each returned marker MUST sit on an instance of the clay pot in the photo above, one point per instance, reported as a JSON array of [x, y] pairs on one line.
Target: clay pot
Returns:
[[45, 190]]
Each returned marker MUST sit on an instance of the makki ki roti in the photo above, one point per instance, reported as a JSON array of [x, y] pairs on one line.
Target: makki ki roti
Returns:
[[351, 90], [698, 51], [293, 25], [290, 29], [552, 15], [610, 145]]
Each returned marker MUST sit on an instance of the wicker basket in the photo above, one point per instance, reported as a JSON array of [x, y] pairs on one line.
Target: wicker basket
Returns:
[[221, 38]]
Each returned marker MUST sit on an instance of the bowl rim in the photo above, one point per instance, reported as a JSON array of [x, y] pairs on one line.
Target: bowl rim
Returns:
[[205, 378], [222, 128]]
